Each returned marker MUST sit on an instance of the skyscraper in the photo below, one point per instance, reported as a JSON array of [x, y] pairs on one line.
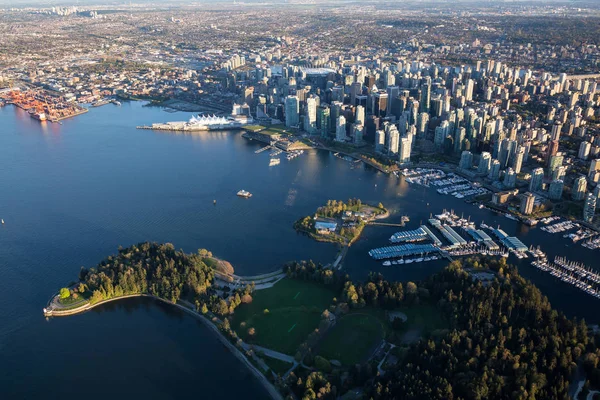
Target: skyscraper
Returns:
[[584, 150], [360, 115], [537, 178], [323, 121], [589, 207], [510, 179], [310, 119], [466, 160], [340, 129], [527, 201], [405, 148], [556, 189], [292, 109], [494, 170], [518, 159], [485, 162], [393, 139], [579, 188], [379, 141]]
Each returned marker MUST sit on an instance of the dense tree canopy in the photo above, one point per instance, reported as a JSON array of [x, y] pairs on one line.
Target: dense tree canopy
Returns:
[[156, 269]]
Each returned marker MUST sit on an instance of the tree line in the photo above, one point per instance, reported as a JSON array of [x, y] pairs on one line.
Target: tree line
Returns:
[[505, 340]]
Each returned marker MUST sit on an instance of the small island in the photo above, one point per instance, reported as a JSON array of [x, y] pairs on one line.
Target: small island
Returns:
[[339, 222]]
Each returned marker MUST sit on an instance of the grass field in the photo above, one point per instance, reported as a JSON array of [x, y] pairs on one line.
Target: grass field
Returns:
[[352, 339], [295, 309]]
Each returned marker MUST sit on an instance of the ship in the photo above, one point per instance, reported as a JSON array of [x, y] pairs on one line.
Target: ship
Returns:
[[244, 193], [274, 161], [100, 102]]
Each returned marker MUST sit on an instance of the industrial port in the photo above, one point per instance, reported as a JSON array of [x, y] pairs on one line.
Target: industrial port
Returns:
[[43, 106]]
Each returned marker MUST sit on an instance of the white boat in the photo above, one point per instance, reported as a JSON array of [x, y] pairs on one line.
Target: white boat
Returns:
[[274, 161], [408, 261], [244, 193], [387, 263], [401, 261]]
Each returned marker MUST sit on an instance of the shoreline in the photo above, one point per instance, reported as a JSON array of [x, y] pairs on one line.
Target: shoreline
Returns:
[[273, 392]]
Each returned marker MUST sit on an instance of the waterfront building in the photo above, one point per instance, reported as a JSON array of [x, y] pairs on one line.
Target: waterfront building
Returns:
[[510, 178], [393, 139], [340, 129], [310, 119], [357, 133], [466, 160], [292, 110], [537, 178], [555, 190], [323, 121], [589, 207], [485, 162], [405, 149], [527, 202], [579, 188], [379, 141], [494, 170], [584, 150]]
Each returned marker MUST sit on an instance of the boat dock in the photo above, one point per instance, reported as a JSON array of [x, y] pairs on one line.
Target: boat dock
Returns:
[[402, 250], [573, 273]]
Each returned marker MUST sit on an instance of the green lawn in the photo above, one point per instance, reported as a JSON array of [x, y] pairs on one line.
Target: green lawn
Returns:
[[277, 366], [295, 309], [352, 339]]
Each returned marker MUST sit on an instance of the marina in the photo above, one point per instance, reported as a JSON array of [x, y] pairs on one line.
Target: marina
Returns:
[[573, 273]]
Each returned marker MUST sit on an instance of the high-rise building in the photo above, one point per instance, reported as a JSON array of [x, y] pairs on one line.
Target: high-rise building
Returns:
[[555, 162], [518, 159], [323, 121], [556, 129], [440, 134], [422, 125], [393, 139], [555, 190], [537, 178], [360, 115], [594, 167], [379, 103], [485, 162], [310, 119], [584, 150], [340, 129], [494, 170], [404, 150], [379, 141], [527, 201], [589, 207], [579, 188], [466, 160], [292, 109], [357, 133], [510, 179]]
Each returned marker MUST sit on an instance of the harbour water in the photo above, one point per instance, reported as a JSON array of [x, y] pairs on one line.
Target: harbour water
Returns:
[[70, 194]]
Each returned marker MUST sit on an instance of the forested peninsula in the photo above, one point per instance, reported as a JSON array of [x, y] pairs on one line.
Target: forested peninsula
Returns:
[[475, 330]]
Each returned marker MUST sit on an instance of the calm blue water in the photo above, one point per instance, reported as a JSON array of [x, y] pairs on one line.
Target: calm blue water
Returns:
[[71, 194]]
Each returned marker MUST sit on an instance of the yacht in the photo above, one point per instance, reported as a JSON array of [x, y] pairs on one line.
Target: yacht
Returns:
[[244, 193], [274, 161]]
